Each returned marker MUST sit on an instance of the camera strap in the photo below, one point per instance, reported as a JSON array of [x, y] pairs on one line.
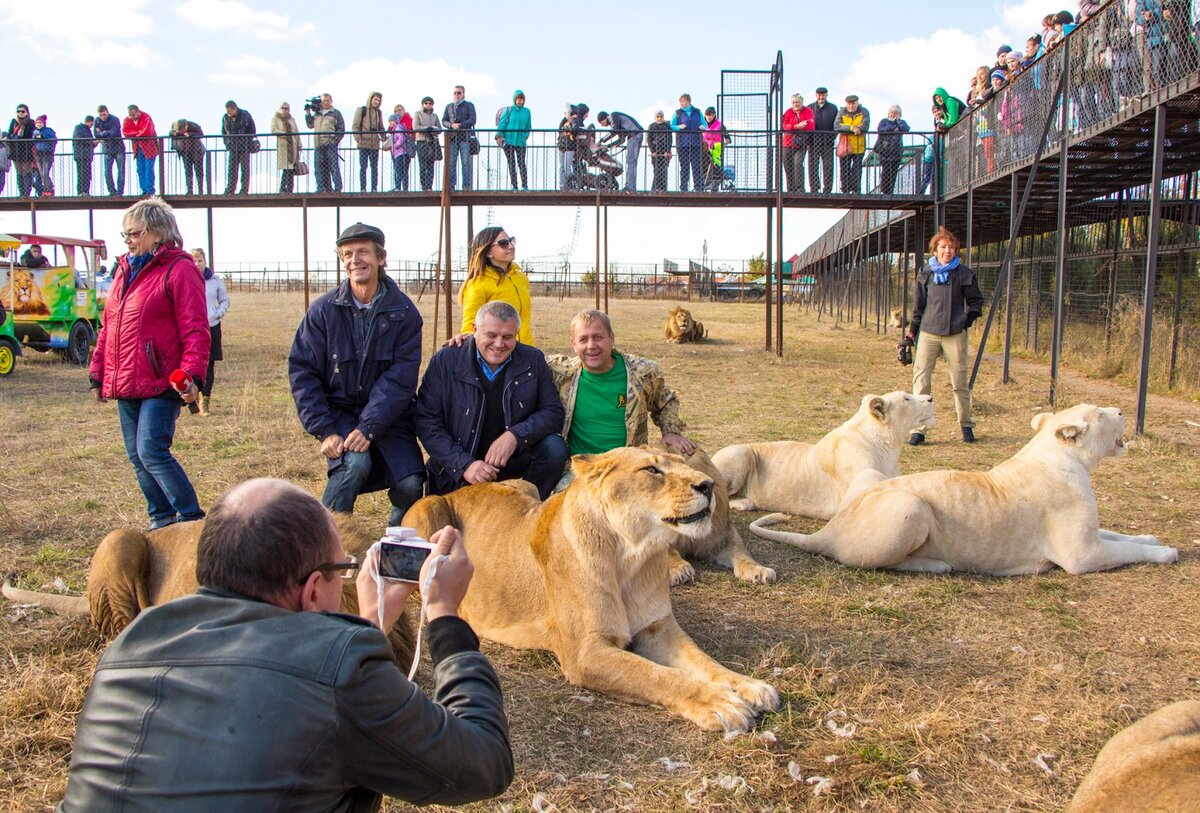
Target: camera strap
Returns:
[[424, 585]]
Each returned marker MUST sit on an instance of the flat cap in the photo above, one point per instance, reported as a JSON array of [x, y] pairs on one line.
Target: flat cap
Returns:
[[360, 231], [852, 98], [822, 89]]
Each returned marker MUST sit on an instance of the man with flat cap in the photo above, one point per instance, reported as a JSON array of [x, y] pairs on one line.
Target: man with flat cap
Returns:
[[353, 369], [853, 122], [820, 151]]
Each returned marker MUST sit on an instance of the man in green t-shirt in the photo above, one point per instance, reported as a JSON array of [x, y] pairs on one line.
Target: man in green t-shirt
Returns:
[[611, 396]]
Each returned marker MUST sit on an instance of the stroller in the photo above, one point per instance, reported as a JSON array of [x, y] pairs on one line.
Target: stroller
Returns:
[[589, 156]]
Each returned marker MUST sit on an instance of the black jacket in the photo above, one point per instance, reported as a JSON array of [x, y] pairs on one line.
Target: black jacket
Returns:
[[658, 137], [20, 140], [238, 131], [945, 310], [824, 117]]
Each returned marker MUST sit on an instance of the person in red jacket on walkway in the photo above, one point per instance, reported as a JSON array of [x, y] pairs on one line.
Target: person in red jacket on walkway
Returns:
[[138, 127], [155, 323]]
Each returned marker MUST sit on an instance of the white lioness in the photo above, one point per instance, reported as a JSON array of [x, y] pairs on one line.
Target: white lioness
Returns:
[[1031, 512], [811, 479], [584, 574]]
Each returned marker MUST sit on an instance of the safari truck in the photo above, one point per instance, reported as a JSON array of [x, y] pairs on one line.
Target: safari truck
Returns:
[[54, 300]]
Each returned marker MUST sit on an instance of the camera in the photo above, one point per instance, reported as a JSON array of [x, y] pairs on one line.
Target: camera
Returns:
[[401, 555], [904, 351], [312, 105]]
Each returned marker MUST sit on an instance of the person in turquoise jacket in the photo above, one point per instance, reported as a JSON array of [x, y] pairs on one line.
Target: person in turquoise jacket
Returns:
[[514, 126]]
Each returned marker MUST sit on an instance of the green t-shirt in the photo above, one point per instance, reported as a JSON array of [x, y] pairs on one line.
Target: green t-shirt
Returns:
[[598, 423]]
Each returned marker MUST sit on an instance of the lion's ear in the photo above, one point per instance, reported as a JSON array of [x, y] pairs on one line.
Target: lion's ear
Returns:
[[877, 406], [582, 463], [1039, 420], [1070, 432]]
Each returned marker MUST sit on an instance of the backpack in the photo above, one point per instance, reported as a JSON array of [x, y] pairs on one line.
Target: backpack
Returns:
[[500, 113]]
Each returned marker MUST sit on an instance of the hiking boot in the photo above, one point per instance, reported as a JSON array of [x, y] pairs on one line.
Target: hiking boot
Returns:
[[916, 439], [968, 434]]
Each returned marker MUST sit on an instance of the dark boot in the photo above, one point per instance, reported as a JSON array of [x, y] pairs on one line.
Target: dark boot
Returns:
[[968, 434], [916, 439]]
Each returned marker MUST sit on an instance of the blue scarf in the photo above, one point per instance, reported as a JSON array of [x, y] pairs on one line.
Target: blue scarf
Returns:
[[941, 273], [136, 264], [208, 274]]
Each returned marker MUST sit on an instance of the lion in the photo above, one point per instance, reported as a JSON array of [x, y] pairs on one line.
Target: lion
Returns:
[[898, 320], [1029, 513], [1152, 765], [132, 571], [584, 575], [681, 327], [22, 290], [812, 479]]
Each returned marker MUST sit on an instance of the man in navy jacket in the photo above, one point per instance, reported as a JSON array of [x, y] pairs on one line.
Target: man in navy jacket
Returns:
[[108, 133], [353, 369], [488, 409]]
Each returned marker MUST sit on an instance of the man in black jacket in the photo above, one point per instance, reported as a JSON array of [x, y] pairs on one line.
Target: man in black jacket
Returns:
[[237, 126], [821, 143], [83, 144], [255, 693], [459, 116], [108, 133], [624, 129], [488, 409]]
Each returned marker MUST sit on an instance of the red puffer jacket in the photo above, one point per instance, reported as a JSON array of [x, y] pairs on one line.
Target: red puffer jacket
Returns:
[[152, 327]]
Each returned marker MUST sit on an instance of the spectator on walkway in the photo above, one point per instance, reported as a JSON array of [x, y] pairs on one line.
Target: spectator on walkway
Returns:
[[821, 146], [946, 301], [187, 139], [493, 275], [853, 121], [459, 116], [83, 145], [1012, 125], [1150, 37], [353, 369], [287, 147], [427, 127], [20, 147], [108, 133], [154, 324], [217, 299], [514, 127], [1001, 56], [688, 123], [950, 108], [371, 137], [624, 129], [5, 166], [565, 143], [981, 86], [658, 141], [257, 693], [402, 146], [798, 126], [488, 410], [889, 148], [238, 129], [45, 142], [329, 127], [716, 137], [986, 122], [138, 127]]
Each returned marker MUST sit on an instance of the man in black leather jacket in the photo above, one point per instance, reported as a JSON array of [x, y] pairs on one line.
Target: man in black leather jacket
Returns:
[[255, 694]]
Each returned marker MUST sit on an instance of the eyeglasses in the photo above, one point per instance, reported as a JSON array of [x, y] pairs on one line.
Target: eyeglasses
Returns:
[[22, 112], [132, 235], [349, 570], [506, 242]]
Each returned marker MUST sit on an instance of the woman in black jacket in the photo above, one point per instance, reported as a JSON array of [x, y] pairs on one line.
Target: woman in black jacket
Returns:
[[658, 140], [946, 301], [20, 147]]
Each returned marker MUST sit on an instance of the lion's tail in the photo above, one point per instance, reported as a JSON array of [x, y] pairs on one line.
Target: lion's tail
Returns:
[[808, 542], [67, 605]]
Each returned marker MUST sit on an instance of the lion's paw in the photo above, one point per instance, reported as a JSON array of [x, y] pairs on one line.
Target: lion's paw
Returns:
[[682, 572], [1146, 539], [761, 696], [720, 709], [742, 504], [1163, 555], [756, 573]]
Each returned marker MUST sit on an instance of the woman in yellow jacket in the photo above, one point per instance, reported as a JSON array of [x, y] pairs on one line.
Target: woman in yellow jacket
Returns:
[[492, 274]]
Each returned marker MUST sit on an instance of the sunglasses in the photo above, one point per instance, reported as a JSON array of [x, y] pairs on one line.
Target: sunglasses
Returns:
[[506, 242], [349, 570]]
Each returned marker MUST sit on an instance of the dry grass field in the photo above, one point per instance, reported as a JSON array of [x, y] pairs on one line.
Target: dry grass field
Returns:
[[907, 692]]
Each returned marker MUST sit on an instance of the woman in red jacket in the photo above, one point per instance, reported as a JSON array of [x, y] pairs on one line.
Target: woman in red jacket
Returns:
[[798, 122], [155, 331]]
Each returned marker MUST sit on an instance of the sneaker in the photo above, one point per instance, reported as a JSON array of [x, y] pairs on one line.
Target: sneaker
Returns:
[[916, 439], [968, 435]]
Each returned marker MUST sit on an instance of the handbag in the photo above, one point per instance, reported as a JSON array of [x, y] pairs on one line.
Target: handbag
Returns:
[[255, 145], [473, 144], [843, 145], [301, 168]]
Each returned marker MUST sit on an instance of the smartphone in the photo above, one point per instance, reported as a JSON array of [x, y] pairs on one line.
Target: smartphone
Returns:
[[401, 560]]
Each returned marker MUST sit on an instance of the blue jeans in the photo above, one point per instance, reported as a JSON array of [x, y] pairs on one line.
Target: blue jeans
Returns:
[[690, 160], [633, 148], [542, 464], [347, 480], [400, 172], [145, 173], [328, 169], [119, 160], [460, 153], [148, 427]]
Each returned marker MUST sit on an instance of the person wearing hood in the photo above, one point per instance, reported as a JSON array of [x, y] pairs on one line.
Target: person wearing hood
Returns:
[[946, 301], [688, 124], [403, 145], [218, 304], [950, 107], [370, 137], [514, 126]]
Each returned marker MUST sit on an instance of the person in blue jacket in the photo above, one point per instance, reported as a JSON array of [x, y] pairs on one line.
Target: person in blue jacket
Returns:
[[108, 133], [353, 368], [45, 142], [688, 125], [514, 126], [488, 409]]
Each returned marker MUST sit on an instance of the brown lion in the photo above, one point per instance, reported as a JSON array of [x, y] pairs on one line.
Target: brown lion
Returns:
[[682, 327], [132, 571], [584, 575], [22, 290]]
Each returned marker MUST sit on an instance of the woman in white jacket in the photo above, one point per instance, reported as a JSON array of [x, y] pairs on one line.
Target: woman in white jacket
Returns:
[[218, 304]]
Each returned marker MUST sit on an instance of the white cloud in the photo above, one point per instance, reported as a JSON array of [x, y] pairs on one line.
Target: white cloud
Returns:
[[77, 30], [249, 72], [223, 15], [405, 81]]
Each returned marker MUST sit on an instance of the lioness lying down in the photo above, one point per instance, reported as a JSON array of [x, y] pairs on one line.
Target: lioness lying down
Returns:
[[811, 479], [132, 571], [1031, 512], [584, 575]]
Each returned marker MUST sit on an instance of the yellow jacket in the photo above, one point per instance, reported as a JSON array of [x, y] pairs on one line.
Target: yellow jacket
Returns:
[[512, 288], [847, 121]]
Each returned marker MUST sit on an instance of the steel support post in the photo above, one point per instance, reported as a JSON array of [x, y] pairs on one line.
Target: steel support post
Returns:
[[1156, 172]]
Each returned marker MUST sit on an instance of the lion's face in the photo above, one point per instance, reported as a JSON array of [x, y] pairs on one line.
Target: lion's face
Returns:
[[1090, 431], [682, 321], [23, 291], [901, 410], [647, 495]]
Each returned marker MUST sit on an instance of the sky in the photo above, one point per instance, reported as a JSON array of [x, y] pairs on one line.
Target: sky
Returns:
[[185, 58]]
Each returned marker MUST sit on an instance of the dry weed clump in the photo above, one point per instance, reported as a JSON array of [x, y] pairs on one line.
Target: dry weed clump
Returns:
[[901, 692]]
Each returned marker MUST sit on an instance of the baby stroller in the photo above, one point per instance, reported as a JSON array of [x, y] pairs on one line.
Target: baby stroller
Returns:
[[589, 156]]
